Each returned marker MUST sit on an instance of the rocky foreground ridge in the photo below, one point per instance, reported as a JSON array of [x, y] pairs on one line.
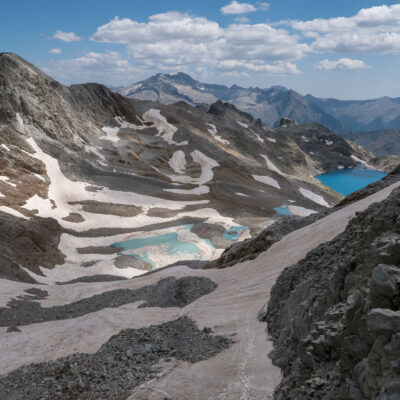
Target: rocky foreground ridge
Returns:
[[334, 317]]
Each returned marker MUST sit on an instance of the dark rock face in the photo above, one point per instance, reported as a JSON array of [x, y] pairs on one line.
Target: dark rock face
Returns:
[[123, 362], [40, 235], [287, 122], [335, 316]]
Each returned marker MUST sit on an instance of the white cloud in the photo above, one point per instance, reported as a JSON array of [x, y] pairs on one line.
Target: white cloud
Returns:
[[263, 5], [279, 68], [341, 64], [371, 30], [108, 67], [242, 20], [55, 51], [176, 40], [66, 36], [238, 8], [243, 8]]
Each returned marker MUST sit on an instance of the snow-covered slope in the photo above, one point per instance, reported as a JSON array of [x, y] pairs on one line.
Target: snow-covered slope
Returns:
[[84, 170]]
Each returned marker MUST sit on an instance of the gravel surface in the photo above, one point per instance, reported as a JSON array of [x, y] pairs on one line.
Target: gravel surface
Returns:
[[123, 362], [168, 292]]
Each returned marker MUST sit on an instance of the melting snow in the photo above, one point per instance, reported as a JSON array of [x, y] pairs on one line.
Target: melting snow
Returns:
[[204, 189], [164, 128], [301, 211], [271, 165], [241, 194], [5, 179], [314, 197], [242, 124], [40, 177], [259, 138], [5, 147], [213, 131], [271, 140], [267, 180], [178, 162], [329, 142], [62, 191], [360, 161], [11, 211]]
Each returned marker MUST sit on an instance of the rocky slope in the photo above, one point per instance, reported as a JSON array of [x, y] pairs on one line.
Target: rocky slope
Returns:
[[334, 316], [273, 103], [182, 332], [362, 115], [83, 170], [268, 104], [382, 142]]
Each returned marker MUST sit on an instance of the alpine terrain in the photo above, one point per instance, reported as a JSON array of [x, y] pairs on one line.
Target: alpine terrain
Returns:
[[162, 243]]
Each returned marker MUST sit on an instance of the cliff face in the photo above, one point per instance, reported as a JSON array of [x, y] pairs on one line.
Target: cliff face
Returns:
[[334, 317]]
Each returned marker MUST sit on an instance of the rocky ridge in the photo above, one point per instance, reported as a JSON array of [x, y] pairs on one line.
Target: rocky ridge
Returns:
[[335, 316]]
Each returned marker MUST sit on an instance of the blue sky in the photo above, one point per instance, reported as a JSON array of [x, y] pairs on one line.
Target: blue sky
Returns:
[[344, 49]]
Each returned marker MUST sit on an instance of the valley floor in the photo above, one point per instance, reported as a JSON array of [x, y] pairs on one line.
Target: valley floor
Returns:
[[240, 371]]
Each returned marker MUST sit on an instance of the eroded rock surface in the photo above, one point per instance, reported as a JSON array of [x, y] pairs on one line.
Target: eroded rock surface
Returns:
[[335, 316]]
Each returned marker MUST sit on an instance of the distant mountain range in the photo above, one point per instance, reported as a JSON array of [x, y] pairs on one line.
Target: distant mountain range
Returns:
[[270, 105]]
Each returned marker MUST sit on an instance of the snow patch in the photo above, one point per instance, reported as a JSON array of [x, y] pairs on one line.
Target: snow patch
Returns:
[[301, 211], [5, 147], [267, 180], [5, 179], [271, 165], [355, 158], [272, 140], [204, 189], [178, 162], [11, 211], [213, 131], [242, 124], [241, 194], [164, 128], [316, 198]]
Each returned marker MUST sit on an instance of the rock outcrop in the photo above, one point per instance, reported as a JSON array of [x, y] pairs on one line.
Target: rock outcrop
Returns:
[[335, 316]]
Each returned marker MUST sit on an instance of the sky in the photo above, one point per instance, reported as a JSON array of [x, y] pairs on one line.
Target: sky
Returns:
[[347, 49]]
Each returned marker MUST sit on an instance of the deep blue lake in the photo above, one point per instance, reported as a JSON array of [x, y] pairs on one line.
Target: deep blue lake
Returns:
[[349, 180]]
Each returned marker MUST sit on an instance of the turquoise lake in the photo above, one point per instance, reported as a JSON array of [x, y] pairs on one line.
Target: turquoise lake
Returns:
[[234, 232], [283, 210], [349, 180], [175, 246]]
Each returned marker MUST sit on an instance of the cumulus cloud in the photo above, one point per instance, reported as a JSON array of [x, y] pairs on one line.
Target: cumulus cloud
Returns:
[[237, 8], [66, 36], [341, 64], [109, 67], [177, 40], [242, 20], [55, 51], [371, 30], [243, 8]]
